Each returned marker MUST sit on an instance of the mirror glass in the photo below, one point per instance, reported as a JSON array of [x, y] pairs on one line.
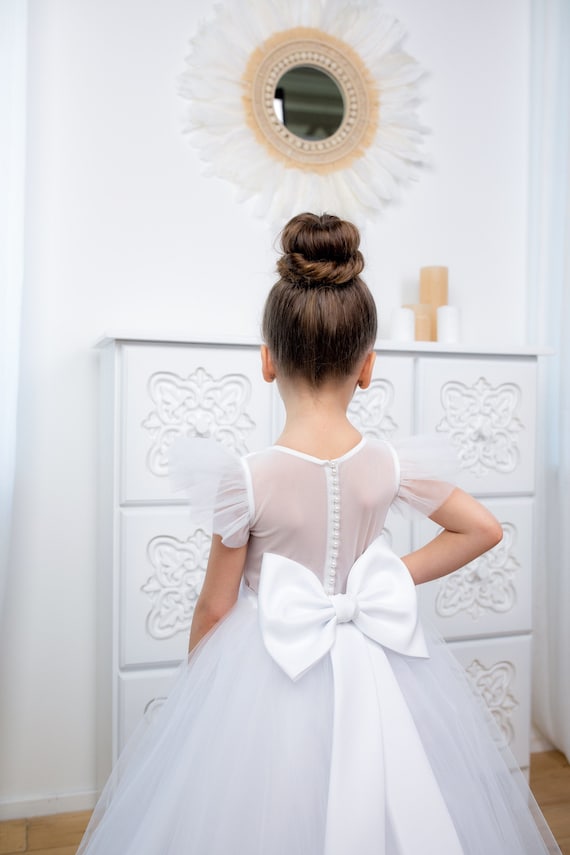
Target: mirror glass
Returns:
[[309, 103]]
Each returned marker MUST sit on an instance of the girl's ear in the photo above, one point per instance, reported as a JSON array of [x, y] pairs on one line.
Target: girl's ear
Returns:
[[365, 375], [267, 368]]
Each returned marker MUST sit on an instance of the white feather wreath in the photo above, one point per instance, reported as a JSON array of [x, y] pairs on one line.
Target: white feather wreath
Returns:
[[218, 83]]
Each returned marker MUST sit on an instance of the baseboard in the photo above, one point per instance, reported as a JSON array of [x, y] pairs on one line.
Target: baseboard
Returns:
[[47, 806]]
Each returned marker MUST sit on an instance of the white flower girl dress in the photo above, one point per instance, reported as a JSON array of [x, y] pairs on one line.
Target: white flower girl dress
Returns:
[[317, 718]]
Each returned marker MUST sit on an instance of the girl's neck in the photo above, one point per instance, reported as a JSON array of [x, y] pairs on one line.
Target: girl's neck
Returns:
[[317, 423]]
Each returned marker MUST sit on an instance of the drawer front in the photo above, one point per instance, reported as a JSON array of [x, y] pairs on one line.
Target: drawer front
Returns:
[[163, 562], [385, 409], [173, 391], [488, 410], [140, 696], [499, 670], [491, 595]]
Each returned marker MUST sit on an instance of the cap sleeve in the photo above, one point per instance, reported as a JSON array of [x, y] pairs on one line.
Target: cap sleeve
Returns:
[[426, 473], [216, 482]]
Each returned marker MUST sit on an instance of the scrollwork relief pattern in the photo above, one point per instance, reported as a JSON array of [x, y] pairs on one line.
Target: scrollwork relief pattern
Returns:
[[198, 405], [153, 707], [493, 685], [179, 568], [485, 585], [369, 410], [482, 423]]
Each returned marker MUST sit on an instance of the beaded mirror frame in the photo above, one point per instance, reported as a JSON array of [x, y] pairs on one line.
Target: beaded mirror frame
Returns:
[[305, 46]]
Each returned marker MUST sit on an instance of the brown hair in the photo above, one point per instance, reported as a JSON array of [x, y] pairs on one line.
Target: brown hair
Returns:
[[319, 318]]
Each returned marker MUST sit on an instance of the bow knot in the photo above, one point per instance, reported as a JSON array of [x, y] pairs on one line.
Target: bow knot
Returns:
[[298, 620], [346, 607]]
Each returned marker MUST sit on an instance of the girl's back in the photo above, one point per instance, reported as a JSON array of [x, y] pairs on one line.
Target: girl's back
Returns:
[[321, 513]]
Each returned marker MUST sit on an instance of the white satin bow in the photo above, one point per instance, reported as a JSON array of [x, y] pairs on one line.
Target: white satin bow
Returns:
[[380, 776], [299, 620]]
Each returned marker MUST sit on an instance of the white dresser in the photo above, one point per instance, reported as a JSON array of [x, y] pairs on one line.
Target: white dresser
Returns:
[[152, 562]]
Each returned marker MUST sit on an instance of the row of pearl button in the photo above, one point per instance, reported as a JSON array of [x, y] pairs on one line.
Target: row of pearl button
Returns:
[[335, 527]]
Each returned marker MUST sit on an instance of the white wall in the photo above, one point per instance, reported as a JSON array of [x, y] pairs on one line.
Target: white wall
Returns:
[[124, 233]]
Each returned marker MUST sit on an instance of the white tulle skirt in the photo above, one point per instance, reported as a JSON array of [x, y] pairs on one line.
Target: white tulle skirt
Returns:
[[237, 762]]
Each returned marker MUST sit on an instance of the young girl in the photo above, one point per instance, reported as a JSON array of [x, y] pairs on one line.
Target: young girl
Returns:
[[314, 716]]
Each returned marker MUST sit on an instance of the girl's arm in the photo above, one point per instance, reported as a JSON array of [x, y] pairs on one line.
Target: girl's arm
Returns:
[[220, 589], [469, 529]]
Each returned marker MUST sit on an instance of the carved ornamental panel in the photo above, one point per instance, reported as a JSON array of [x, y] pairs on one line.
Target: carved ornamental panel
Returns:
[[198, 405], [174, 391], [486, 584], [163, 568], [371, 410], [179, 569], [487, 409], [491, 594], [494, 685], [499, 672], [483, 425]]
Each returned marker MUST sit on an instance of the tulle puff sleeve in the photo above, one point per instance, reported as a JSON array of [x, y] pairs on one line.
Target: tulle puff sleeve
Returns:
[[216, 482], [427, 472]]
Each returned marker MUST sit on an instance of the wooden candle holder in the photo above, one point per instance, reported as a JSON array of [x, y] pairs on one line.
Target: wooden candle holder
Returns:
[[422, 313], [433, 293]]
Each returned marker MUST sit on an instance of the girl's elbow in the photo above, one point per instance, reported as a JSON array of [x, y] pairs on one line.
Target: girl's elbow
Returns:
[[492, 533], [211, 609]]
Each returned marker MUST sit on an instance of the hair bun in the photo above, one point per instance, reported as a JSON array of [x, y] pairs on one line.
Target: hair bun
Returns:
[[320, 250], [300, 270]]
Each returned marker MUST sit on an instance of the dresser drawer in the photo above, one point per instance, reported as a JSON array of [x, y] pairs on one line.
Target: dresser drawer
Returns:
[[488, 410], [172, 391], [163, 562], [499, 670], [140, 697], [492, 594], [385, 409]]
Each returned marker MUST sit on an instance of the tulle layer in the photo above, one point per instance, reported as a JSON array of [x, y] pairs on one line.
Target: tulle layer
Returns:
[[216, 482], [486, 794], [427, 472], [237, 761], [222, 498]]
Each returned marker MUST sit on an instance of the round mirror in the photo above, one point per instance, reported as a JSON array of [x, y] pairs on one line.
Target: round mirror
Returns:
[[309, 103]]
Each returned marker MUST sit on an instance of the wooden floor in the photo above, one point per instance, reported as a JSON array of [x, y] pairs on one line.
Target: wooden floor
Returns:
[[550, 783], [44, 835], [60, 834]]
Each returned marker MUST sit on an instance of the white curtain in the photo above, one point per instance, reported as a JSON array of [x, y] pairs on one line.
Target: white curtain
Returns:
[[13, 42], [549, 317]]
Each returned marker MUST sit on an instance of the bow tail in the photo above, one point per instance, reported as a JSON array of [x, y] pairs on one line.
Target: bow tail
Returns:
[[383, 795], [355, 813]]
